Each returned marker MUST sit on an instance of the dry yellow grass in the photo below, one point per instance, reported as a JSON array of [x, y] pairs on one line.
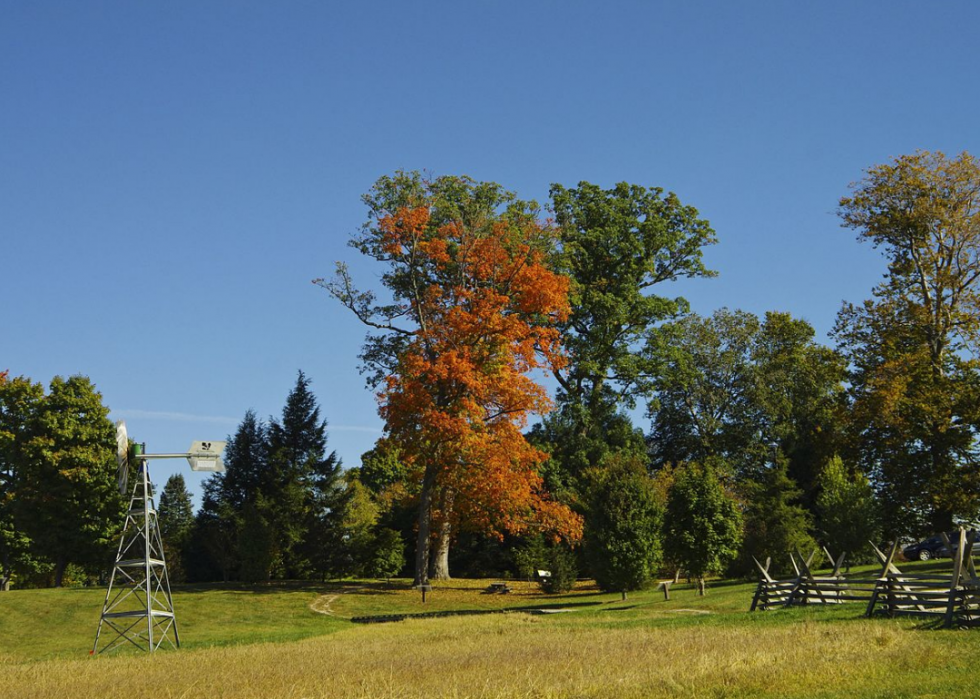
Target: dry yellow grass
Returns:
[[515, 655]]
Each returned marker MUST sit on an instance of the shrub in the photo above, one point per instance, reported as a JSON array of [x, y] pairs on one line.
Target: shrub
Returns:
[[563, 566]]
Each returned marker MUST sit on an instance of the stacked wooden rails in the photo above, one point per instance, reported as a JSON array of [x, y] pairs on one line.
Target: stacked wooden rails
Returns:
[[807, 588], [952, 597], [969, 607]]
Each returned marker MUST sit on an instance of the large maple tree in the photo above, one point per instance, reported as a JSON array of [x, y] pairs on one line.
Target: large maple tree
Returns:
[[473, 314]]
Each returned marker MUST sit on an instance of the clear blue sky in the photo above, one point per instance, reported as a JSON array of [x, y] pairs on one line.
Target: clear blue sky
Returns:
[[173, 175]]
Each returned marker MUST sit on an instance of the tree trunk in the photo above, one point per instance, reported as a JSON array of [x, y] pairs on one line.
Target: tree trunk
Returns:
[[5, 574], [423, 540], [701, 586], [440, 564], [623, 592], [59, 570], [942, 517]]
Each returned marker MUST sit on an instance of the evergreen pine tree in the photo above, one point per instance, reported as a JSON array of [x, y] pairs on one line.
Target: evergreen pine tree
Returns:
[[255, 545], [775, 523], [212, 550], [176, 517], [246, 463], [301, 479], [212, 553]]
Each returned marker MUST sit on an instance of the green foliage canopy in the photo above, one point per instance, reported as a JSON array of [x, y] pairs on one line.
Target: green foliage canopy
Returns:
[[68, 500], [849, 515], [623, 527], [702, 523]]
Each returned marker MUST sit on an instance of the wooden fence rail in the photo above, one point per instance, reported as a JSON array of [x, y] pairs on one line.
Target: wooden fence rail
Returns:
[[952, 597]]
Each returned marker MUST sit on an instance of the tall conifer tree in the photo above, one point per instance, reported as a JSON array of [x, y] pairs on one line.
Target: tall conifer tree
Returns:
[[301, 476], [176, 523]]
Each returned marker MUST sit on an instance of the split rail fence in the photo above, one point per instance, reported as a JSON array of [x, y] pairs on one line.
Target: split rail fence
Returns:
[[953, 597]]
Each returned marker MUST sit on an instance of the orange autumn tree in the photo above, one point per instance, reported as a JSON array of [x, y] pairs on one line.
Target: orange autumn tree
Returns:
[[473, 313]]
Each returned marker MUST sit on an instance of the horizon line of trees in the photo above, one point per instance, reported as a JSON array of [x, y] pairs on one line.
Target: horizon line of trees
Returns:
[[761, 440]]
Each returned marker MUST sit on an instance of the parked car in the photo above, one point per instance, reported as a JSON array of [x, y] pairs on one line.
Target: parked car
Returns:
[[927, 549], [935, 547]]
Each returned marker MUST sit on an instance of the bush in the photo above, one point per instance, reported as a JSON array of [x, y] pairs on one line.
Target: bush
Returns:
[[563, 566], [387, 558], [530, 557]]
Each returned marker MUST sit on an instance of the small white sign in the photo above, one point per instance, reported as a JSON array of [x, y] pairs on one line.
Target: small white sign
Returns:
[[206, 456]]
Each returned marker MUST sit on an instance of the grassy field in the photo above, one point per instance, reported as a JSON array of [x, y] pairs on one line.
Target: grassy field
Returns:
[[298, 641]]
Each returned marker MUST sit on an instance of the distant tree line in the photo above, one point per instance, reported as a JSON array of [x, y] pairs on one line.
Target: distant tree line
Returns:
[[761, 439], [756, 440]]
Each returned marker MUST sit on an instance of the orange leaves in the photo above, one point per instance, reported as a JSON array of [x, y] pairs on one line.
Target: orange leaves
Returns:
[[498, 488], [461, 391], [402, 229]]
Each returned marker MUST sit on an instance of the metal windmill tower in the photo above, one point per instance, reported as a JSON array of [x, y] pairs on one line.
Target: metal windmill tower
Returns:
[[138, 607]]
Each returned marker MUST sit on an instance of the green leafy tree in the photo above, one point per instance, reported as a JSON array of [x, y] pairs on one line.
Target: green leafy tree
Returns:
[[382, 467], [702, 523], [176, 518], [67, 495], [562, 565], [618, 246], [702, 390], [355, 535], [20, 398], [848, 511], [385, 557], [623, 527], [730, 386], [798, 398], [912, 347], [530, 556], [578, 440], [387, 477]]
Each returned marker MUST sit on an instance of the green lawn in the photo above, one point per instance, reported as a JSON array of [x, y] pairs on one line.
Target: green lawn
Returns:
[[45, 624], [270, 641]]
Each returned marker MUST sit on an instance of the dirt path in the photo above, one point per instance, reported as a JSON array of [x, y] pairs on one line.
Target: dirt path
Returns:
[[321, 605]]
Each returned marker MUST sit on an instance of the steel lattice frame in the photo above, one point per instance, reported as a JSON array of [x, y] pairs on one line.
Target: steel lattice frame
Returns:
[[138, 606]]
